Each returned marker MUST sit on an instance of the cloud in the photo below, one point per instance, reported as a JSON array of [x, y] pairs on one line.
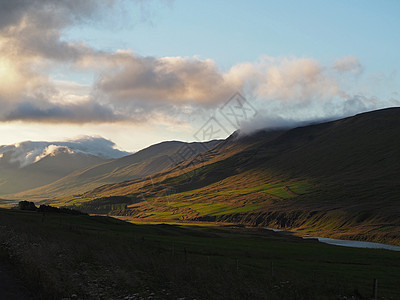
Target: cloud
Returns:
[[32, 28], [53, 150], [149, 85], [271, 122], [94, 146], [58, 14], [292, 79], [31, 45], [86, 112], [348, 64], [133, 88], [172, 80], [285, 117]]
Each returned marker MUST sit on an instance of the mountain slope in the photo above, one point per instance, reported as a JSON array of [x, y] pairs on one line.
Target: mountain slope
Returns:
[[336, 178], [143, 163], [15, 179]]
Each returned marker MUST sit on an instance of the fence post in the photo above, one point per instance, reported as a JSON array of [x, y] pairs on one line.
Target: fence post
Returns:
[[272, 270], [185, 255], [375, 289]]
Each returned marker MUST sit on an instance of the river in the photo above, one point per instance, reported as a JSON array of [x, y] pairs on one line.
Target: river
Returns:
[[355, 244], [347, 243]]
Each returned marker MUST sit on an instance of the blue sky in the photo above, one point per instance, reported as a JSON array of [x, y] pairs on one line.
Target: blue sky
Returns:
[[237, 31], [160, 69]]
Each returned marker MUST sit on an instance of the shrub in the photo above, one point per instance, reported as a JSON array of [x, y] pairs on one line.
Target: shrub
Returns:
[[26, 205]]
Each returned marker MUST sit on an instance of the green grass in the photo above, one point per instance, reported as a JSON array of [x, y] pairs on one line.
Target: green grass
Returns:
[[178, 223], [275, 189], [197, 203], [213, 209], [70, 201], [164, 215], [300, 187]]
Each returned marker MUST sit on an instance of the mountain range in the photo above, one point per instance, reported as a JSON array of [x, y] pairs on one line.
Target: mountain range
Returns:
[[83, 172], [337, 178]]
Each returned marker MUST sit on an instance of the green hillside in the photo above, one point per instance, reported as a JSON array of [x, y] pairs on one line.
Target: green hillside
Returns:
[[338, 179]]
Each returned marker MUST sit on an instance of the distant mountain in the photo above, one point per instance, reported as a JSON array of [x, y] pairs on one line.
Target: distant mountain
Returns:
[[29, 164], [143, 163], [338, 178]]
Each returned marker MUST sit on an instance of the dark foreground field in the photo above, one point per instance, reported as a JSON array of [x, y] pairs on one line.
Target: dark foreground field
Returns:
[[80, 257]]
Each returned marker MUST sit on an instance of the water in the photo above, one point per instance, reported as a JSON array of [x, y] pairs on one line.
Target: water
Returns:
[[348, 243], [274, 229], [356, 244]]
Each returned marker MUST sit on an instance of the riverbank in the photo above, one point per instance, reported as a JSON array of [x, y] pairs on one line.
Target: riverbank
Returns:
[[362, 242]]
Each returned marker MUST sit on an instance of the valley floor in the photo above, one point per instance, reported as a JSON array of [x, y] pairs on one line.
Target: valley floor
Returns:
[[93, 257]]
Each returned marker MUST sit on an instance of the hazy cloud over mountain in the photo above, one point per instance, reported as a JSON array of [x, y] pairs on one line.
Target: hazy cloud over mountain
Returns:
[[29, 152]]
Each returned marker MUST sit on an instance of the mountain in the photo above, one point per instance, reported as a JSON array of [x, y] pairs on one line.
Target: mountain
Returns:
[[143, 163], [29, 164], [337, 178]]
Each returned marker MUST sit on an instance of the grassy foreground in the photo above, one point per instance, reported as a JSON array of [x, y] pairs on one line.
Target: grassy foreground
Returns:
[[83, 257]]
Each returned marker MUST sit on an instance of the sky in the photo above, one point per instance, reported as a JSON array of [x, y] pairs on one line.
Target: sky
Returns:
[[140, 72]]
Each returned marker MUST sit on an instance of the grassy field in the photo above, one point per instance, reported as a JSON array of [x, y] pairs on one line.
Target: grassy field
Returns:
[[101, 258]]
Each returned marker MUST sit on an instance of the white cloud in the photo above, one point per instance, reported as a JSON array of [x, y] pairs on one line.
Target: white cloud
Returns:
[[292, 79], [26, 153], [348, 64]]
